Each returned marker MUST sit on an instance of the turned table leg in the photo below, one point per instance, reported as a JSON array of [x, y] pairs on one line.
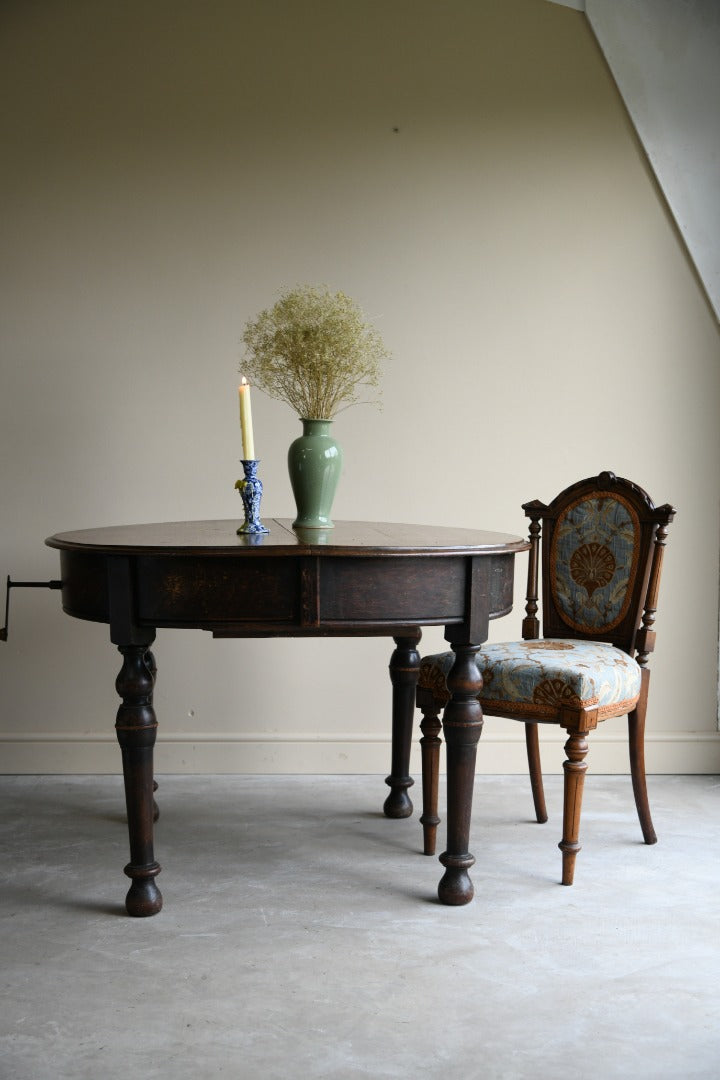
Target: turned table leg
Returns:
[[136, 728], [462, 724], [152, 668], [404, 669]]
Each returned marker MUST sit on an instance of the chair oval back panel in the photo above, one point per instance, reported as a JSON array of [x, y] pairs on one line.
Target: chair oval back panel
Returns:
[[594, 560], [597, 549]]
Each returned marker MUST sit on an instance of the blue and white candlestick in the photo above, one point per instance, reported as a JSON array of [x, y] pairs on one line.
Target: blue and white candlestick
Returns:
[[251, 490]]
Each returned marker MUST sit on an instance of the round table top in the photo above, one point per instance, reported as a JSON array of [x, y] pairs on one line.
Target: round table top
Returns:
[[346, 538]]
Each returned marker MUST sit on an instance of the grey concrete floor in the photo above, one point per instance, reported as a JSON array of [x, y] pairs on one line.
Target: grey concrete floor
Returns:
[[301, 937]]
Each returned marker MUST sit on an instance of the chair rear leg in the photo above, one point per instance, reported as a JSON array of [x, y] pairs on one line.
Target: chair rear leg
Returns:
[[536, 780], [575, 768], [636, 732], [430, 749]]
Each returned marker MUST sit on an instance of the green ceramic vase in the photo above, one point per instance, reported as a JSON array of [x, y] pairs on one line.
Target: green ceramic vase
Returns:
[[315, 464]]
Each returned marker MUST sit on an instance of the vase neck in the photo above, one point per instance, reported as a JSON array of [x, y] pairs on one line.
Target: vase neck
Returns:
[[315, 427]]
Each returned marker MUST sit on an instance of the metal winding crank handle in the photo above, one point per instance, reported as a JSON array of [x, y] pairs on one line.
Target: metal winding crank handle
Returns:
[[22, 585]]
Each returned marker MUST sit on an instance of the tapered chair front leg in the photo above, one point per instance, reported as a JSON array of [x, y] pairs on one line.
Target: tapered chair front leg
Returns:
[[136, 729], [462, 724], [536, 781], [430, 745], [404, 670], [636, 732], [575, 768]]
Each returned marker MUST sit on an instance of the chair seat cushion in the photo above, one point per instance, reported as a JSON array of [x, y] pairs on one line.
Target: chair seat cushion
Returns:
[[534, 679]]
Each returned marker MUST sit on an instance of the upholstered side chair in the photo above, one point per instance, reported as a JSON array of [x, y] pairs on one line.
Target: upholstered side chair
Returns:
[[601, 544]]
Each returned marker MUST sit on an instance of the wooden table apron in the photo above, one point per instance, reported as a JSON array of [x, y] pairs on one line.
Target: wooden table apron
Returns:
[[359, 578]]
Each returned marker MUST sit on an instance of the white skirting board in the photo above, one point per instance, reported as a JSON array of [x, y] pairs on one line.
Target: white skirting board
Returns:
[[259, 752]]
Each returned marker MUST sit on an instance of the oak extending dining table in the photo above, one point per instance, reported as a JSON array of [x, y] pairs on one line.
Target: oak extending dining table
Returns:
[[356, 579]]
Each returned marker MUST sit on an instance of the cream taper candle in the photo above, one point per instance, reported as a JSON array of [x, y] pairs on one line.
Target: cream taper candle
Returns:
[[246, 426]]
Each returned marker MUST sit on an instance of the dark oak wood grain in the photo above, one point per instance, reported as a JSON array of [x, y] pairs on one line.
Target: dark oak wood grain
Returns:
[[361, 537], [360, 578]]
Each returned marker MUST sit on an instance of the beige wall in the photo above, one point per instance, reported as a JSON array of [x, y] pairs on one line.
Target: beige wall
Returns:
[[168, 166]]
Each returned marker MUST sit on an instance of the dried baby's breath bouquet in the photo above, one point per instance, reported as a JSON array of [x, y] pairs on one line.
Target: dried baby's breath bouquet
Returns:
[[314, 351]]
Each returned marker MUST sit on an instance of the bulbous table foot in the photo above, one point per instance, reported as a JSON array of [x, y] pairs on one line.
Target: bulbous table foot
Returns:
[[455, 887], [143, 898], [398, 803]]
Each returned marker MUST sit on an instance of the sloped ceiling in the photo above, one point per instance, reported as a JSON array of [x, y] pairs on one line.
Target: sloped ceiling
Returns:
[[665, 59]]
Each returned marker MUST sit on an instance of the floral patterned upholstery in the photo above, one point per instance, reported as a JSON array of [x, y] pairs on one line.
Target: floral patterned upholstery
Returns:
[[594, 561], [599, 545], [533, 679]]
